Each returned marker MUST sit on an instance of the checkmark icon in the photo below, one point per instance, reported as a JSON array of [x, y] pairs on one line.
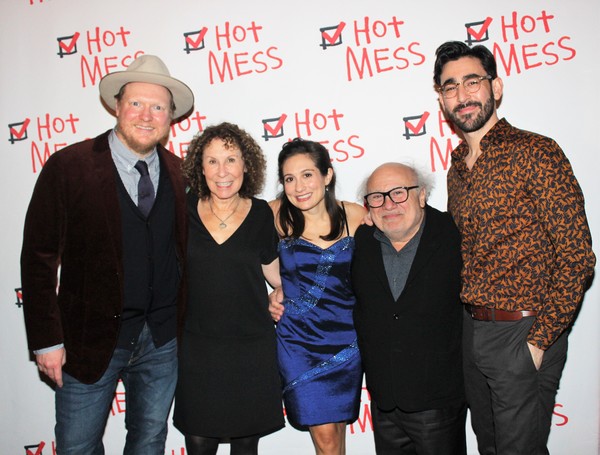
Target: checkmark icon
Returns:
[[477, 36], [332, 36], [338, 31], [411, 129], [273, 130], [195, 40], [18, 131], [19, 293], [67, 45], [38, 449]]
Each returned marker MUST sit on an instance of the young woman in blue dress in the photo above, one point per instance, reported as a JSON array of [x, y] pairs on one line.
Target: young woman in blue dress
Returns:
[[317, 351]]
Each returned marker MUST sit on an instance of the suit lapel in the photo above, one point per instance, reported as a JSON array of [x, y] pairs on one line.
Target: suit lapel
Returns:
[[104, 184], [173, 168], [375, 258], [428, 245]]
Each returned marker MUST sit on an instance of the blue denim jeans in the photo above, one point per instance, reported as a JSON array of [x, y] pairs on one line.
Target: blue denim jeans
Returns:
[[149, 376]]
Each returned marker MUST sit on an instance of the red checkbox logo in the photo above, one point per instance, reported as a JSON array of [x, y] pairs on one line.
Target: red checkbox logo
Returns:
[[18, 131], [67, 45], [194, 41], [332, 36], [476, 36], [412, 129], [273, 127], [38, 449]]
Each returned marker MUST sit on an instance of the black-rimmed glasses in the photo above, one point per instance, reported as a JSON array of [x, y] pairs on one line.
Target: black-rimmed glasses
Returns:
[[471, 85], [396, 195]]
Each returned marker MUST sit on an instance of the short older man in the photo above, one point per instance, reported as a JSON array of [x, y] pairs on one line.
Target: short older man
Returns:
[[408, 316], [110, 212]]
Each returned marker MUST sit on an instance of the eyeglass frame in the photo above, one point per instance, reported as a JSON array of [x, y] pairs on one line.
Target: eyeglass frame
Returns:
[[480, 79], [389, 195]]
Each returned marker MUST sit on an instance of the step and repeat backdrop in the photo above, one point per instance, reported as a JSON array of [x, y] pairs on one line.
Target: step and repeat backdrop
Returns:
[[354, 75]]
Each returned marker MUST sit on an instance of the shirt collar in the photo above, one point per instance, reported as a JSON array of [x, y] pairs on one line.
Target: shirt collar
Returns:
[[490, 143], [496, 135], [126, 157]]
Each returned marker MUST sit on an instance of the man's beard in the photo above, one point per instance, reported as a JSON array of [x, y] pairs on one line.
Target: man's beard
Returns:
[[471, 124], [132, 143]]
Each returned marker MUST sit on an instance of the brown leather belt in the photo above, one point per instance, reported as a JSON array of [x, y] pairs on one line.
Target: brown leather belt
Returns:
[[492, 314]]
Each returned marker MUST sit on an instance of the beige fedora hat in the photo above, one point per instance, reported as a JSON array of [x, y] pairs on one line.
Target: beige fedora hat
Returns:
[[150, 69]]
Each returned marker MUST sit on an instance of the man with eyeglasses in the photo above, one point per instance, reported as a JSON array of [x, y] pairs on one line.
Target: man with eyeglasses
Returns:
[[408, 317], [527, 256]]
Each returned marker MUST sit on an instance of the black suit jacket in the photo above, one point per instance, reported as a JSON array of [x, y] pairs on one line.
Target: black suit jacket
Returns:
[[411, 347], [74, 222]]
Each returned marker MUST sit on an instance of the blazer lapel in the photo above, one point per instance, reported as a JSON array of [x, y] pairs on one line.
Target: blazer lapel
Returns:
[[104, 184], [428, 245], [172, 166], [375, 258]]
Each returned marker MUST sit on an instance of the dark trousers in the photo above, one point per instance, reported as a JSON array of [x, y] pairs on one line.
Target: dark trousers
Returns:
[[430, 432], [511, 402]]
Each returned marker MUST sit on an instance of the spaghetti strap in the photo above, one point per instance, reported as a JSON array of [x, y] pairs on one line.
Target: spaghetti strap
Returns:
[[345, 219]]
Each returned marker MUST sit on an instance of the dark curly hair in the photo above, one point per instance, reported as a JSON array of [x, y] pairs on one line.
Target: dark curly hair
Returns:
[[453, 50], [291, 219], [233, 136]]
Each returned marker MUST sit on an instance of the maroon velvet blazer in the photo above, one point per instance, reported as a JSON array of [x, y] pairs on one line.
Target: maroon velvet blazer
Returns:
[[73, 228]]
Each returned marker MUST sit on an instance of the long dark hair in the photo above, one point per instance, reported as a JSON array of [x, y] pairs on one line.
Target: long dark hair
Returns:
[[291, 219]]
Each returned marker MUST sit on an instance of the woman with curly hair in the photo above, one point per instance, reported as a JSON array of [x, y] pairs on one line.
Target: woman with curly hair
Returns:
[[229, 388]]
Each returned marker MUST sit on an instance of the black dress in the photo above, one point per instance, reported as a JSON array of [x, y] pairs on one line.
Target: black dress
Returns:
[[229, 383]]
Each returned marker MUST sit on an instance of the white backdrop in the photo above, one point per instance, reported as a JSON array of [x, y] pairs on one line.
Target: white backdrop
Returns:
[[354, 75]]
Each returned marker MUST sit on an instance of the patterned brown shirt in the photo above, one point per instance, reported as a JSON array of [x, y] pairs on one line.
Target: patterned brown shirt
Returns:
[[526, 243]]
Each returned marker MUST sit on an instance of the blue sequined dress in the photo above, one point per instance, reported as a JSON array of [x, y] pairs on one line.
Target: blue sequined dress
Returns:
[[318, 355]]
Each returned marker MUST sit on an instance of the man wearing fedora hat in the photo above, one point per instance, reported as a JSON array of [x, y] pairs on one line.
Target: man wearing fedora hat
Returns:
[[109, 212]]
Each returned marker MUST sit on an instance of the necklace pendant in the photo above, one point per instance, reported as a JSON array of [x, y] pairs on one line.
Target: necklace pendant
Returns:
[[222, 225]]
